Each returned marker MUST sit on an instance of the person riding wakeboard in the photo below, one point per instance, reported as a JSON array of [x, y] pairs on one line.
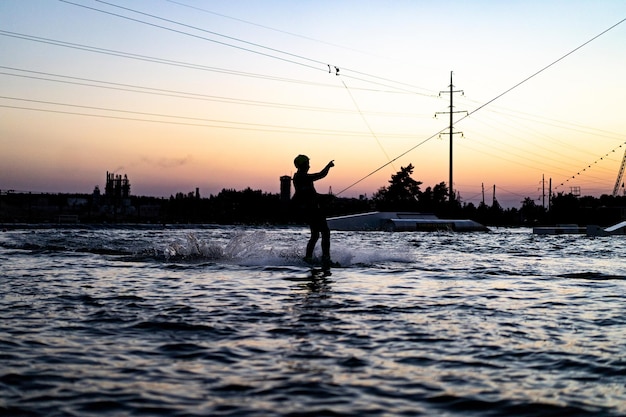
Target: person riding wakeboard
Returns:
[[308, 202]]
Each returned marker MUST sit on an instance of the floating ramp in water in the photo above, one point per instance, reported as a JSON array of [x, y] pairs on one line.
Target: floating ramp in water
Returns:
[[560, 229], [617, 229], [401, 222]]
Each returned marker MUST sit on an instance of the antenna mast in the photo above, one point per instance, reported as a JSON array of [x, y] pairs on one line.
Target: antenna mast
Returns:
[[620, 175], [451, 131]]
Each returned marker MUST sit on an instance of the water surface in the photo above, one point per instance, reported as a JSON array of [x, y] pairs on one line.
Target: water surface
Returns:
[[226, 321]]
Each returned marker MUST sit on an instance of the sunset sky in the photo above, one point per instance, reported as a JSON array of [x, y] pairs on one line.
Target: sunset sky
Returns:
[[179, 94]]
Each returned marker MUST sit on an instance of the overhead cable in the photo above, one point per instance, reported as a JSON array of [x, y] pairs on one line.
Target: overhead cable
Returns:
[[87, 82], [486, 104], [322, 65], [190, 121], [198, 36]]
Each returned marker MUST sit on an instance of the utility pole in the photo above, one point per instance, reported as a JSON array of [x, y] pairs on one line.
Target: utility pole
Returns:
[[483, 188], [451, 131], [550, 195], [543, 190]]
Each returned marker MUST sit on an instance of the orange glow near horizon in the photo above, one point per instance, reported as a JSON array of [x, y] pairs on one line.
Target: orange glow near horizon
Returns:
[[216, 116]]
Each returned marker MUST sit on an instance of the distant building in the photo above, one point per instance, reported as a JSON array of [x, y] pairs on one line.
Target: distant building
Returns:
[[285, 188], [116, 188], [117, 195]]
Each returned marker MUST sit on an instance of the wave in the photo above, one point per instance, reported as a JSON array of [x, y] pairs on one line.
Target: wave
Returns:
[[180, 248], [592, 275], [257, 248]]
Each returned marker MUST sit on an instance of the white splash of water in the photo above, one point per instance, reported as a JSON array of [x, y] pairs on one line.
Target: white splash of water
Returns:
[[258, 248]]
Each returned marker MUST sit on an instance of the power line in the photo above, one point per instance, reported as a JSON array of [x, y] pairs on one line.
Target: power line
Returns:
[[188, 120], [486, 104], [315, 61], [164, 121], [181, 64], [392, 160], [201, 37], [517, 155], [197, 96], [266, 27], [543, 69], [148, 58], [474, 110], [195, 28], [579, 172], [183, 94], [512, 147], [364, 119], [519, 152], [551, 121], [252, 43]]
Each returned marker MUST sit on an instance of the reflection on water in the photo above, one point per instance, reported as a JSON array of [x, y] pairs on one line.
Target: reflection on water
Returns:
[[222, 321]]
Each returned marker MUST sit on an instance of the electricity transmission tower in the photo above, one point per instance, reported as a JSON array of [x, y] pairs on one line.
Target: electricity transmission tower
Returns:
[[451, 129]]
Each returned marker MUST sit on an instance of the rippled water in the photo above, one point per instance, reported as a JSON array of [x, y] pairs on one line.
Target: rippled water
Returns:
[[229, 322]]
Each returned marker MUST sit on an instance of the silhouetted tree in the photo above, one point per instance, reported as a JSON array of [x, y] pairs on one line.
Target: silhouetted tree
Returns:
[[401, 194], [565, 208], [434, 199], [531, 212]]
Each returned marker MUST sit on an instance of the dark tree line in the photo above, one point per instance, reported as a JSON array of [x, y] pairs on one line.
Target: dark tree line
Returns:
[[403, 193]]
